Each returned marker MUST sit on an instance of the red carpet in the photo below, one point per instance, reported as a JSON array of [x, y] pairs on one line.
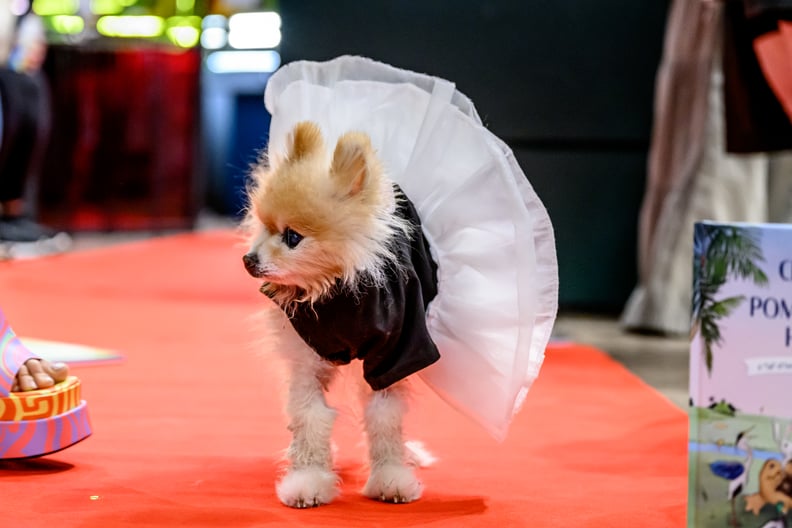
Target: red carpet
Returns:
[[189, 430]]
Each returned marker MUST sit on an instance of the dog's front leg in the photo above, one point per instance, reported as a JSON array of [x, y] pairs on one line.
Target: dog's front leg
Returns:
[[391, 478], [310, 480]]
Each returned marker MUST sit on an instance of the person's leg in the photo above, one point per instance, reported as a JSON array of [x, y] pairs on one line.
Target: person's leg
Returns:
[[19, 95], [20, 102], [22, 120]]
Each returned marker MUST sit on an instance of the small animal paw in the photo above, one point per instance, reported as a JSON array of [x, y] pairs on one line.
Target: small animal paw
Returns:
[[307, 487], [393, 483]]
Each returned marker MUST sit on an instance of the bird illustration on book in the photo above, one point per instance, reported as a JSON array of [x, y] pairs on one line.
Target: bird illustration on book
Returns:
[[735, 472]]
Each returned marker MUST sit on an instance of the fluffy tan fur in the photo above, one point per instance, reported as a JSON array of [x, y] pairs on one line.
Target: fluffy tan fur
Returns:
[[342, 204], [319, 217]]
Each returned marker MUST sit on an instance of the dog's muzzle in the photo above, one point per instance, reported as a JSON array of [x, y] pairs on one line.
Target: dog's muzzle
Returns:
[[252, 265]]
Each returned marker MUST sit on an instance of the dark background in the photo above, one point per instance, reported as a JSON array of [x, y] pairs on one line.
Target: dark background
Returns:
[[568, 84], [145, 138]]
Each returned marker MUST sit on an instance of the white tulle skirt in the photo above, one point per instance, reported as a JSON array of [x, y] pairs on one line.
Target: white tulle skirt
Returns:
[[490, 235]]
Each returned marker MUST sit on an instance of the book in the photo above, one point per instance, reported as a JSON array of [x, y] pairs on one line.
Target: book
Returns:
[[740, 445]]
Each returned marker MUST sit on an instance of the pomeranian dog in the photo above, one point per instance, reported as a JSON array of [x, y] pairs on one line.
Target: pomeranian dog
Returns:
[[340, 251]]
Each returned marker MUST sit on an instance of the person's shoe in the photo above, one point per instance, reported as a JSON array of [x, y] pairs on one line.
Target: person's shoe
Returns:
[[21, 237], [23, 229], [37, 422]]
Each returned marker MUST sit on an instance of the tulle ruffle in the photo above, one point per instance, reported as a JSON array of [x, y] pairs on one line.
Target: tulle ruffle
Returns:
[[490, 234]]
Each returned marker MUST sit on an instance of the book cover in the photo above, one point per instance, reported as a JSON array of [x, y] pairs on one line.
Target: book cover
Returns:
[[740, 449]]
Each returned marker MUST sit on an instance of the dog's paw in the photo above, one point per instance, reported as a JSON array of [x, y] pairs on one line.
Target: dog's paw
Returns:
[[307, 487], [393, 483]]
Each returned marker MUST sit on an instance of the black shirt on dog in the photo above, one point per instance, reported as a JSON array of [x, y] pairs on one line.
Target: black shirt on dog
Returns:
[[383, 325]]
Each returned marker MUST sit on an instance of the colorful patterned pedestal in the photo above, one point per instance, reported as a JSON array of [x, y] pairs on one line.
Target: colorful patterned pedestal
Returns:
[[43, 421], [38, 422]]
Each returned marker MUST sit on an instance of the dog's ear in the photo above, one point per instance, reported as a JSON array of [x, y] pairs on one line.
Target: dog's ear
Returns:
[[305, 139], [352, 160]]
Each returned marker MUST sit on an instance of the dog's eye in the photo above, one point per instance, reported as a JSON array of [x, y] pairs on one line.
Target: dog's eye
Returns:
[[291, 237]]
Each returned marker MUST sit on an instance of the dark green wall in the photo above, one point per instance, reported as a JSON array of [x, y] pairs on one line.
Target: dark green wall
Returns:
[[568, 84]]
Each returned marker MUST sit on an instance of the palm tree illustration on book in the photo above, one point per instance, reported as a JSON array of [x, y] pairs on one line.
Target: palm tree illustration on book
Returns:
[[720, 253]]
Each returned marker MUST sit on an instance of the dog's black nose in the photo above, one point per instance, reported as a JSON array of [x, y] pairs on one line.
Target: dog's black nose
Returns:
[[251, 263]]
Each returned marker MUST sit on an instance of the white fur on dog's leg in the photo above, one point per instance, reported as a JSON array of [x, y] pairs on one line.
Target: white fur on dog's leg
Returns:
[[310, 480], [307, 487], [393, 483], [391, 478], [418, 455]]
